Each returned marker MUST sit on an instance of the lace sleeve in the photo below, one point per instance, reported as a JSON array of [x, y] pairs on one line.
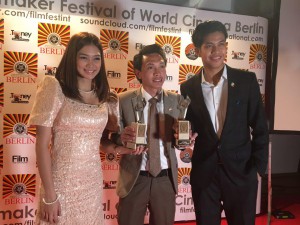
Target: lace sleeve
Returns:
[[48, 101]]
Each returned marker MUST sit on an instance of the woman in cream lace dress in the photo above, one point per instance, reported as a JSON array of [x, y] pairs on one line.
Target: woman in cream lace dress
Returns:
[[71, 112]]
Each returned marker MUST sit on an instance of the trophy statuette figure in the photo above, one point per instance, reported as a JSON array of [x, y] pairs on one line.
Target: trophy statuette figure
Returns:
[[139, 127]]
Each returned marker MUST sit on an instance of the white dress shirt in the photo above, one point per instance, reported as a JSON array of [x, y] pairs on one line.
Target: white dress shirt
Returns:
[[160, 108], [215, 97]]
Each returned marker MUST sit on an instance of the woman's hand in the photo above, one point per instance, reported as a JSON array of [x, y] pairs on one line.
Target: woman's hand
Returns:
[[128, 135], [139, 150], [122, 150], [51, 210]]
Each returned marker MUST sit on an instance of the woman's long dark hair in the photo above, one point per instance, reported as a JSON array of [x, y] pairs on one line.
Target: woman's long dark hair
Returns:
[[67, 73]]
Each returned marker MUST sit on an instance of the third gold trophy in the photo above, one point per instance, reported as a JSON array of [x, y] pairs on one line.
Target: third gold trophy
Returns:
[[183, 139]]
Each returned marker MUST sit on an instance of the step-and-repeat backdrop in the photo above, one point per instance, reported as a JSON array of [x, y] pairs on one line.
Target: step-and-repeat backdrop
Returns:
[[33, 37]]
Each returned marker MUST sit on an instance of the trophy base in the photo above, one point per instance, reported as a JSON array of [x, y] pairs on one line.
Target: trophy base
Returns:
[[140, 139], [133, 145], [182, 144], [183, 134]]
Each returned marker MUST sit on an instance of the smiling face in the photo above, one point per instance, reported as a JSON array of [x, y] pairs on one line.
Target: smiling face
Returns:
[[88, 63], [152, 73], [213, 51]]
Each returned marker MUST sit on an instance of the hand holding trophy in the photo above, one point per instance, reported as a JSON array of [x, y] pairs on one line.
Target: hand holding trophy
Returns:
[[183, 139], [139, 127]]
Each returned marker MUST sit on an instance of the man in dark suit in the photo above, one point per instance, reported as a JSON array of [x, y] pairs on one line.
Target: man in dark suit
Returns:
[[137, 187], [226, 111]]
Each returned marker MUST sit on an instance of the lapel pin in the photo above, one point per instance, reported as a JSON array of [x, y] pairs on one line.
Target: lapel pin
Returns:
[[232, 84]]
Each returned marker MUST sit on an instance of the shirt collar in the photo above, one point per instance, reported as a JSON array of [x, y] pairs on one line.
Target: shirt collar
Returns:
[[147, 96], [223, 76]]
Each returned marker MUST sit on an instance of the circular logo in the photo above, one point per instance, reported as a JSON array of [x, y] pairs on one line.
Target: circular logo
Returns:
[[53, 39], [189, 75], [168, 49], [114, 44], [110, 157], [259, 56], [185, 179], [20, 129], [19, 188], [20, 67], [190, 52], [186, 155]]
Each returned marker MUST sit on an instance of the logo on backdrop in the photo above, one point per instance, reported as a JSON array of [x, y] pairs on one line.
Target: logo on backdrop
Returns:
[[184, 198], [113, 74], [184, 176], [1, 157], [18, 159], [171, 46], [258, 56], [115, 43], [1, 32], [19, 188], [53, 38], [190, 52], [260, 82], [120, 90], [110, 161], [20, 67], [109, 206], [109, 184], [131, 78], [19, 98], [187, 71], [238, 55], [50, 70], [186, 155], [21, 212], [1, 96], [20, 35], [15, 130], [169, 77], [139, 46]]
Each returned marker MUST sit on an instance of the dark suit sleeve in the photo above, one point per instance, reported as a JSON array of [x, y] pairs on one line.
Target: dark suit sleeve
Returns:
[[258, 124]]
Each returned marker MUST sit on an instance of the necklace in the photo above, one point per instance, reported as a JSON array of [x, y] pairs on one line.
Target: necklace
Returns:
[[86, 92]]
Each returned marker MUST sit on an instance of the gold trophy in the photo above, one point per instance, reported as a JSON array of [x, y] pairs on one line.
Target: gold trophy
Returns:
[[183, 125], [139, 127]]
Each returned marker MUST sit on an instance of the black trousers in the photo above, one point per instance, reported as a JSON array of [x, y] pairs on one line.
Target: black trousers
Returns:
[[238, 202]]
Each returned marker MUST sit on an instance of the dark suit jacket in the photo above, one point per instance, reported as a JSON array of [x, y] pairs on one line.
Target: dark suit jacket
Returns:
[[241, 155], [130, 164]]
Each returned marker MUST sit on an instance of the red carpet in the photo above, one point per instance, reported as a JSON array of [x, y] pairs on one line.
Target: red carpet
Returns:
[[263, 219]]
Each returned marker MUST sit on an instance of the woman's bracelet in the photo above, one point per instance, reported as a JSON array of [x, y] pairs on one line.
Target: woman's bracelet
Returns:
[[116, 151], [50, 203]]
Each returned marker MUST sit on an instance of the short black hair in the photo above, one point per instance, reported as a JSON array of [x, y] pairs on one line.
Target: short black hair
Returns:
[[205, 28], [147, 50]]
